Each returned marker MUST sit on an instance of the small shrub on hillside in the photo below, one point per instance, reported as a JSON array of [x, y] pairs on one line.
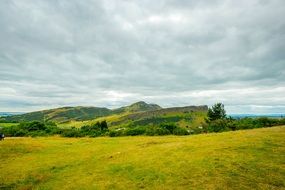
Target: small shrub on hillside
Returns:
[[117, 132], [73, 132], [33, 126], [218, 125], [281, 121], [37, 134], [168, 126], [135, 131], [113, 133], [180, 131], [20, 133], [156, 130]]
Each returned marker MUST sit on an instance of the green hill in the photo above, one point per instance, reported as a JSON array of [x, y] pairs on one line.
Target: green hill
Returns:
[[137, 107], [137, 114], [187, 117], [187, 114], [61, 115], [249, 159], [79, 113]]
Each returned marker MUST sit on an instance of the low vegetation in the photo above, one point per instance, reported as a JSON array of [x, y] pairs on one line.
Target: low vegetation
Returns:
[[245, 159], [37, 128]]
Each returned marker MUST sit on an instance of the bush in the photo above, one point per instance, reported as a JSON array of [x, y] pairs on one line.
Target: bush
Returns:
[[37, 133], [117, 133], [218, 125], [33, 126], [156, 130], [20, 133], [168, 126], [135, 131], [180, 131], [281, 121], [73, 132], [52, 130]]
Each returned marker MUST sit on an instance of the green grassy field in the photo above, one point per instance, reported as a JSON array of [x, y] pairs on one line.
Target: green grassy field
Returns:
[[8, 124], [249, 159]]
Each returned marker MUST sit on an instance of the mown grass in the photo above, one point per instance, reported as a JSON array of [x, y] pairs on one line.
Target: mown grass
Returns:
[[249, 159]]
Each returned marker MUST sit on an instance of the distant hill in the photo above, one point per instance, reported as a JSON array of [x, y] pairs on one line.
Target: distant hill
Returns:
[[187, 117], [79, 113], [137, 114], [63, 114], [137, 107], [175, 114]]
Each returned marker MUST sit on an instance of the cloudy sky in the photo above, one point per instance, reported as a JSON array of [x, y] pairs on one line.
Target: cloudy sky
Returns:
[[114, 52]]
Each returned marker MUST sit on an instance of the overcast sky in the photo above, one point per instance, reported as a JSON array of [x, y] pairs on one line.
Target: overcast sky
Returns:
[[110, 53]]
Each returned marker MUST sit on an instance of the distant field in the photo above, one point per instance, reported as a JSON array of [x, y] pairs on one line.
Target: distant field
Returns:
[[8, 124], [249, 159]]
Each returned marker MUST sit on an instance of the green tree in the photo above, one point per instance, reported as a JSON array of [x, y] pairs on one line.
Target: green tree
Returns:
[[217, 112], [103, 125]]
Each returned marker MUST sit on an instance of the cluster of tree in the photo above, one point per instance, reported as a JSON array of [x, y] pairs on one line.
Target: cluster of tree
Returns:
[[217, 121], [95, 130], [2, 120], [37, 128], [34, 128]]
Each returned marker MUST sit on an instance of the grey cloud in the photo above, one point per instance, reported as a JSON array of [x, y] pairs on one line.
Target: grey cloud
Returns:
[[94, 52]]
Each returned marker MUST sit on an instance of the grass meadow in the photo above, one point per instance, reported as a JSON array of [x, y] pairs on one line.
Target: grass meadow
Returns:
[[247, 159]]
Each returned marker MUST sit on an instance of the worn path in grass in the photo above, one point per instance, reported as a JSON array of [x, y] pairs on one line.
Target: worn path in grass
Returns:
[[249, 159]]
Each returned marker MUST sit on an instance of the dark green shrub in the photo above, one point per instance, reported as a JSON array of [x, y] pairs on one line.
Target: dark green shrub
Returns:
[[21, 133], [103, 125], [168, 126], [33, 126], [156, 130], [113, 134], [90, 129], [218, 125], [180, 131], [52, 130], [135, 131], [37, 134], [73, 132], [117, 133], [281, 121]]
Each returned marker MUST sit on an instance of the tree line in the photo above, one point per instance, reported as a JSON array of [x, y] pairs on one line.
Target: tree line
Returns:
[[218, 121]]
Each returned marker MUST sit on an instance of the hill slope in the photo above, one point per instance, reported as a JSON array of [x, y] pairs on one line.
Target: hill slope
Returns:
[[174, 115], [63, 114], [139, 113], [250, 159], [189, 116], [137, 107], [79, 113]]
